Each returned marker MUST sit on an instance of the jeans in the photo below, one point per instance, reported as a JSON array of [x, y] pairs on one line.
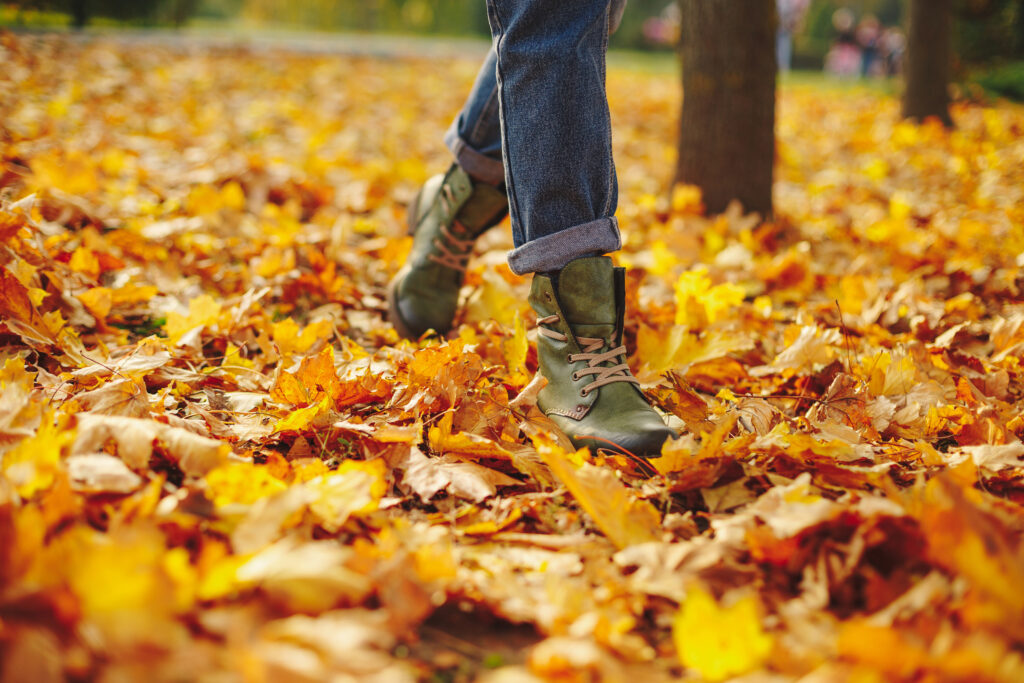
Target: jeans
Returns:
[[537, 119]]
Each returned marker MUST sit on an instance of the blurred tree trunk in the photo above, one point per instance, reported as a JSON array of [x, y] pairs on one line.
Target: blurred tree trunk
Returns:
[[1019, 30], [727, 127], [929, 59], [79, 13], [182, 11]]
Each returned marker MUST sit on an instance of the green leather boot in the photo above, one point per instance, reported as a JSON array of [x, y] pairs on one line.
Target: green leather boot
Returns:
[[591, 394], [445, 219]]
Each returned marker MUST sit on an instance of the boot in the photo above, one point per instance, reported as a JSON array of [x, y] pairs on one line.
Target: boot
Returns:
[[591, 394], [445, 219]]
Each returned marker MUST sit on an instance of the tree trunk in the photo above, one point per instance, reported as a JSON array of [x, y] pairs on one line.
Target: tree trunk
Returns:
[[79, 14], [727, 127], [929, 56]]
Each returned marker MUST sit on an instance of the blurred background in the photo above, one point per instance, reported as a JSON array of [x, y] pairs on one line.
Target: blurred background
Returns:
[[849, 39]]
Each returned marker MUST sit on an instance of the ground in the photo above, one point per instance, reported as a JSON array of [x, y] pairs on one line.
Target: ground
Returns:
[[219, 462]]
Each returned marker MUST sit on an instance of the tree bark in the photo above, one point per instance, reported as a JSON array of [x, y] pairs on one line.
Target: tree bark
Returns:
[[727, 127], [929, 57], [79, 14]]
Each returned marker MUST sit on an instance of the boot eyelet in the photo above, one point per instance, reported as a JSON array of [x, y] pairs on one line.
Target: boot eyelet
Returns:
[[583, 393], [568, 359], [575, 377]]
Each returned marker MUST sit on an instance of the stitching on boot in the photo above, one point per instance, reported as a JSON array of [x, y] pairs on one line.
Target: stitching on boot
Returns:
[[577, 413]]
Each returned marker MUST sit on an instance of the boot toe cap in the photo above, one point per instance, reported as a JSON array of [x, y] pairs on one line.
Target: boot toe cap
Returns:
[[413, 312]]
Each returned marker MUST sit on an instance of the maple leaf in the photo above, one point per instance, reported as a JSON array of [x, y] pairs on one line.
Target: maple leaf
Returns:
[[720, 642], [315, 379], [20, 312], [202, 311]]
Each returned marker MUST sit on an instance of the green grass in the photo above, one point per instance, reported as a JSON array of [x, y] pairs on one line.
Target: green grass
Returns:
[[12, 16], [1006, 81], [656, 63]]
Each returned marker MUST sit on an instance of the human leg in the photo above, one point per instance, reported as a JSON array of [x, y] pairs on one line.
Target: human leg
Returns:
[[450, 212], [560, 176], [556, 129], [474, 137]]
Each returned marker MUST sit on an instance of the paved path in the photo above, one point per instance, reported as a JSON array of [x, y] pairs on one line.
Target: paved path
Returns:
[[375, 45]]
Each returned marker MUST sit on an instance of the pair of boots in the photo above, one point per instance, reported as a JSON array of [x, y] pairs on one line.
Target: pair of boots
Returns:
[[590, 394]]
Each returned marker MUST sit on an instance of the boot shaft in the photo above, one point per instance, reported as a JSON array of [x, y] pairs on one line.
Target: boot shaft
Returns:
[[590, 393]]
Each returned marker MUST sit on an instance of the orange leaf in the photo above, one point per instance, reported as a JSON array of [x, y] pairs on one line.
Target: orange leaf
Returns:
[[315, 379]]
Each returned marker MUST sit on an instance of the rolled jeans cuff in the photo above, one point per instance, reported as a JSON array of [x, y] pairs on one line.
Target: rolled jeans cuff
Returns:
[[482, 167], [553, 252]]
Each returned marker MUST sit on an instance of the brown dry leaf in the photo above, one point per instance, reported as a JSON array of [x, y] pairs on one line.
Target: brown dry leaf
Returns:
[[355, 641], [101, 473], [123, 397], [135, 439], [811, 347], [304, 576]]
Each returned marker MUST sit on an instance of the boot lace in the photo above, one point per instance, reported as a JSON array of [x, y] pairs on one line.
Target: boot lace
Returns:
[[591, 354], [453, 250]]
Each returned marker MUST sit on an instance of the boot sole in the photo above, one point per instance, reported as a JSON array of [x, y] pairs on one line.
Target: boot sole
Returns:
[[596, 445]]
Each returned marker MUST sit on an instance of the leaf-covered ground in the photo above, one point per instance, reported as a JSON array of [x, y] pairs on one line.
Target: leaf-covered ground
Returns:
[[218, 462]]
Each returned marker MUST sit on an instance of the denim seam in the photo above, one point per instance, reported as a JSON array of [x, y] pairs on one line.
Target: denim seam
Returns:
[[608, 116], [487, 113], [510, 186], [553, 252]]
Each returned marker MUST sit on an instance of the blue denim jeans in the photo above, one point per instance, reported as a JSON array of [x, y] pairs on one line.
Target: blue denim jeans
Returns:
[[537, 119]]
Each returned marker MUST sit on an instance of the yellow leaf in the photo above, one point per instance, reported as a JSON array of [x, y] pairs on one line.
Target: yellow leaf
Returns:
[[663, 261], [354, 488], [37, 296], [300, 419], [699, 303], [720, 642], [113, 162], [84, 261], [442, 440], [98, 301], [241, 483], [33, 463], [24, 271], [678, 348], [203, 310], [494, 299], [232, 196], [133, 294], [219, 579], [899, 206], [13, 373], [687, 199], [515, 352], [615, 509], [290, 340], [179, 570]]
